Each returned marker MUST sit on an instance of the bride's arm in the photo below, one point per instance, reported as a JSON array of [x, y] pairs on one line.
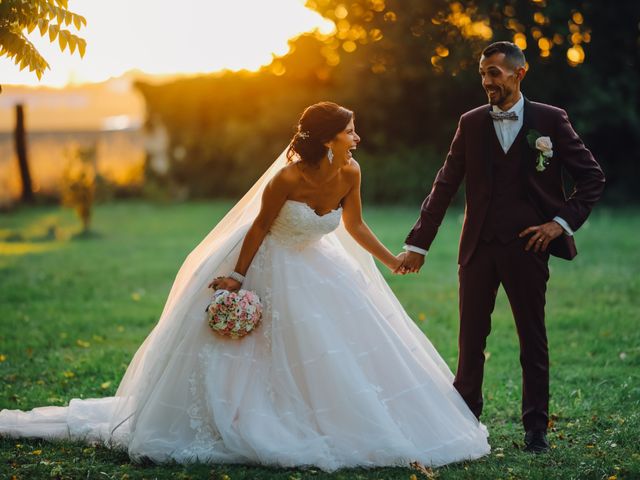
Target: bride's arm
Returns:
[[273, 197], [356, 226]]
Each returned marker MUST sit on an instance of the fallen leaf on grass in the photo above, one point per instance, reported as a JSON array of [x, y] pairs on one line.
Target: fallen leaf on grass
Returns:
[[68, 374], [56, 471], [105, 385], [428, 472], [36, 452], [82, 343], [2, 357]]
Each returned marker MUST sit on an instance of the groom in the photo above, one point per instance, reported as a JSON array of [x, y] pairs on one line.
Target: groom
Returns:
[[511, 154]]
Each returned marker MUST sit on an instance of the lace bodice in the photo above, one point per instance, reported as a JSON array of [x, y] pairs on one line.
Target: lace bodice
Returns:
[[298, 225]]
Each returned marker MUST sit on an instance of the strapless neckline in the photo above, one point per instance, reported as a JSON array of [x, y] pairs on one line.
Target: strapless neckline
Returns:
[[309, 207]]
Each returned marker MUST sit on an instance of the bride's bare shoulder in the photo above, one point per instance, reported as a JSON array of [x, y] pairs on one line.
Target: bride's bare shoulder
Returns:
[[287, 177], [352, 170]]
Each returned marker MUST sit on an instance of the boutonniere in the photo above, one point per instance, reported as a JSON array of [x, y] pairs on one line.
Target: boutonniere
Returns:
[[544, 147]]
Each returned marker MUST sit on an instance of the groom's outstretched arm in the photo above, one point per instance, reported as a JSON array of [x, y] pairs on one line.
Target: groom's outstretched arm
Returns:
[[444, 188]]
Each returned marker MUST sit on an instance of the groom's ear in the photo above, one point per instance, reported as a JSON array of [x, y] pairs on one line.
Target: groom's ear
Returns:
[[521, 72]]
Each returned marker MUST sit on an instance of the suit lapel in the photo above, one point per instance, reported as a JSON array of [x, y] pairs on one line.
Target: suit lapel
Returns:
[[489, 136], [528, 123]]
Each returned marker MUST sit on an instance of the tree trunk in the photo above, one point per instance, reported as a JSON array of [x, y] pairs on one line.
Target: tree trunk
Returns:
[[21, 152]]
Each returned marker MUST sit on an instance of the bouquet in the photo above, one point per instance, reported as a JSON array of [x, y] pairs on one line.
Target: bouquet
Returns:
[[234, 314]]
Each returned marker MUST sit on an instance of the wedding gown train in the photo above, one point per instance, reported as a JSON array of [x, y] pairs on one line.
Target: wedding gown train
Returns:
[[336, 376]]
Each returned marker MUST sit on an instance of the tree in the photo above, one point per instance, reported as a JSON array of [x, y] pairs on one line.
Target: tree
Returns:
[[416, 62], [409, 68], [49, 17]]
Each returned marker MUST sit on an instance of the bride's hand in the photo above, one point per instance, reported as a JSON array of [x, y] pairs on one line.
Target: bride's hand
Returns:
[[395, 266], [225, 283]]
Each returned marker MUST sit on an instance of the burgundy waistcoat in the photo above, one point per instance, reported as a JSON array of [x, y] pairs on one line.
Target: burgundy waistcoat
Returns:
[[510, 210]]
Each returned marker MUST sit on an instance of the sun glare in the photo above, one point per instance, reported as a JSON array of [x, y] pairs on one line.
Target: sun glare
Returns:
[[168, 37]]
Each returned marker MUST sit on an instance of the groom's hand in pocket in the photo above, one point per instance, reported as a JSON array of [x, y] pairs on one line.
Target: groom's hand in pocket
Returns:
[[542, 235], [412, 263]]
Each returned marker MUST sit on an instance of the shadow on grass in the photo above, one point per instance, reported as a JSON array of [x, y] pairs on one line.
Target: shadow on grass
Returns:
[[86, 235]]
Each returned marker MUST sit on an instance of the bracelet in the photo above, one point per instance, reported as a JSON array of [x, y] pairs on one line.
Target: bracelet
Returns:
[[236, 276]]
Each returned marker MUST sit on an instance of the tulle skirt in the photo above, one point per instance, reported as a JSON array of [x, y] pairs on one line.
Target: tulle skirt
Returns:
[[336, 376]]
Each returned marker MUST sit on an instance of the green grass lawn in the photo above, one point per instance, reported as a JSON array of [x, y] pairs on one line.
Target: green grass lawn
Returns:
[[73, 311]]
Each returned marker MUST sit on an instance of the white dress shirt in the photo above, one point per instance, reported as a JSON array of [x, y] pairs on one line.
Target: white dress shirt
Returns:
[[506, 131]]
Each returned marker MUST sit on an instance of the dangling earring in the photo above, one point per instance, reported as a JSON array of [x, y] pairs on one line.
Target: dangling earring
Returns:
[[330, 155]]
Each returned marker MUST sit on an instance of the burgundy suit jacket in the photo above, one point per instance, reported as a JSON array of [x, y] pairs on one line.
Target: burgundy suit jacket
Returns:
[[469, 159]]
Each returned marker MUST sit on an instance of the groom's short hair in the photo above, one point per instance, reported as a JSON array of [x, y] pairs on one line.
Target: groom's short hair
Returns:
[[512, 53]]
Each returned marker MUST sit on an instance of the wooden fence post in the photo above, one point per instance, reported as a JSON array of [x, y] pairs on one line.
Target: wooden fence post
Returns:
[[21, 152]]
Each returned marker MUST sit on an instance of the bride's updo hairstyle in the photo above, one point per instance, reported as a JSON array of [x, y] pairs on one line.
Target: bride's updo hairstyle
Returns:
[[319, 123]]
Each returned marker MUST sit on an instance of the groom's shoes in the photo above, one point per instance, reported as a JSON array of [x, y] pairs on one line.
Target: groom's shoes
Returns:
[[535, 441]]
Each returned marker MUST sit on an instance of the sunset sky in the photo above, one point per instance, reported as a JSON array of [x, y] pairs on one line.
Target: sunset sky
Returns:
[[165, 37]]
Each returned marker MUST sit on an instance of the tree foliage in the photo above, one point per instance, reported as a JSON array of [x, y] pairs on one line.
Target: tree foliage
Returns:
[[49, 17], [409, 69]]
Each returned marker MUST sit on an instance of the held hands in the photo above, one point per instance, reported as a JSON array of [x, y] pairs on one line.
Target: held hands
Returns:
[[542, 235], [396, 263], [225, 283], [411, 262]]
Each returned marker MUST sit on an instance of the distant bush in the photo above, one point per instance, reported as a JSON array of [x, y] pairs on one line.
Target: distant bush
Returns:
[[78, 186]]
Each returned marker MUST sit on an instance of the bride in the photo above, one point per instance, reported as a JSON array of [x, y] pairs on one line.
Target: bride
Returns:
[[337, 375]]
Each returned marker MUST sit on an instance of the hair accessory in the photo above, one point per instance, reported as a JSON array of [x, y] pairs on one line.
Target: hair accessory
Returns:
[[303, 134]]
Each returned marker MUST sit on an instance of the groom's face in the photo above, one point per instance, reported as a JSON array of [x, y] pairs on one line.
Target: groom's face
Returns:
[[500, 80]]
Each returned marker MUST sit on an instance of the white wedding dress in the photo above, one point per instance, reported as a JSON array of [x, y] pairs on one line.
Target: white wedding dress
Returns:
[[337, 375]]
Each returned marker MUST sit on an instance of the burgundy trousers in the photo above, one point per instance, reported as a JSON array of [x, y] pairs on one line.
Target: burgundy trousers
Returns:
[[523, 276]]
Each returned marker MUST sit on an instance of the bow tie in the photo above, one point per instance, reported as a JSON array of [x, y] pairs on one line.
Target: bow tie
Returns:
[[503, 115]]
